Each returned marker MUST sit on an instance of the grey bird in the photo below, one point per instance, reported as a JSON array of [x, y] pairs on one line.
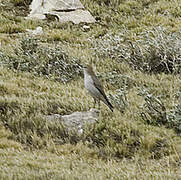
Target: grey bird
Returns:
[[94, 87]]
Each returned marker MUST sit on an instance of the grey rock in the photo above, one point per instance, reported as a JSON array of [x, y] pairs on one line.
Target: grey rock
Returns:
[[75, 121], [64, 10], [76, 16], [37, 31]]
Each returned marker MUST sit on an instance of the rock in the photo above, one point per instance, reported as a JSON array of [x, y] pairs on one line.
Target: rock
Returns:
[[86, 28], [75, 121], [76, 16], [64, 10], [37, 31]]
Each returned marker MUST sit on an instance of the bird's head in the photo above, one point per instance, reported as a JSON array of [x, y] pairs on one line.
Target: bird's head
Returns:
[[88, 69]]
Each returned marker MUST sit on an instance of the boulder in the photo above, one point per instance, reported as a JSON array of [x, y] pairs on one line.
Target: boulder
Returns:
[[63, 10], [75, 121]]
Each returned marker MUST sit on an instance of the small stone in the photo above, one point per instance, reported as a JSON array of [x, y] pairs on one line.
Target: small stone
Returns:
[[37, 31]]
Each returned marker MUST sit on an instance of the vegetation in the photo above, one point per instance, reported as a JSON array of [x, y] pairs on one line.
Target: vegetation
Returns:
[[135, 49]]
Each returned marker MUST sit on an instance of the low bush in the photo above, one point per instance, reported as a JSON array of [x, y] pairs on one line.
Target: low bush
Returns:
[[153, 51], [53, 63], [154, 112]]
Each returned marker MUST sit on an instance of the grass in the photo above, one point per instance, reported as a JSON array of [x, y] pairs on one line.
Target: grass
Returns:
[[134, 49]]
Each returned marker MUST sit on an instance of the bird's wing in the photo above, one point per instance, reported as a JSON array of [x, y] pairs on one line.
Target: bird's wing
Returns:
[[98, 85]]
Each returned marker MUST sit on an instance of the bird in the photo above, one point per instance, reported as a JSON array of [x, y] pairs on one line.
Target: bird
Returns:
[[94, 86]]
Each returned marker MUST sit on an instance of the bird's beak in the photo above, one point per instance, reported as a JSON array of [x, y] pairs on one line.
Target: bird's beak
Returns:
[[83, 66]]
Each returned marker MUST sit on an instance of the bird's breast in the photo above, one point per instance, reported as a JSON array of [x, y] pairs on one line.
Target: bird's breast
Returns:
[[88, 81]]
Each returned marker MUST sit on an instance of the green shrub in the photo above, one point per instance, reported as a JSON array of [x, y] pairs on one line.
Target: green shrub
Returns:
[[113, 3], [21, 2], [153, 110], [53, 63], [153, 51], [174, 118], [155, 113]]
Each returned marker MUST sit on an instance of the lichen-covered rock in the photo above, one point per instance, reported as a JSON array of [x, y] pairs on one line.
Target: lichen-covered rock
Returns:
[[64, 10], [75, 121]]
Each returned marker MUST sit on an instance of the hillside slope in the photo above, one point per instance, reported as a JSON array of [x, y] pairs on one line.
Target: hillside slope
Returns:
[[135, 50]]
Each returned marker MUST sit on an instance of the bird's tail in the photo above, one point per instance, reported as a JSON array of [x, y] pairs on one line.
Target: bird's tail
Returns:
[[108, 104], [105, 99]]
